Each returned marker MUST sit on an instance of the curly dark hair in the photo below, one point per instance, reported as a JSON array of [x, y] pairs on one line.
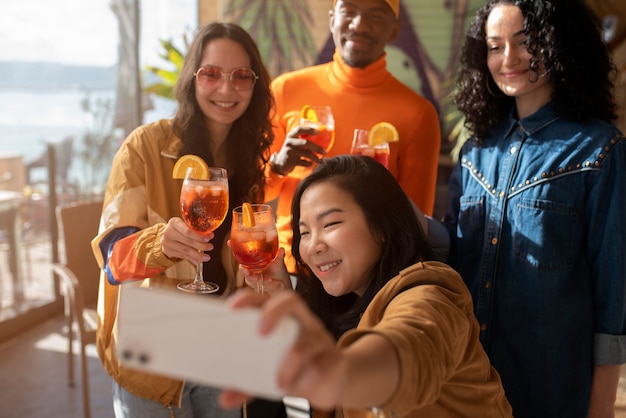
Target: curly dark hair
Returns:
[[390, 215], [250, 136], [564, 40]]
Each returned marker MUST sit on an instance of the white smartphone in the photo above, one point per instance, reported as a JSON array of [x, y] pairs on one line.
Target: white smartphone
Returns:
[[199, 338]]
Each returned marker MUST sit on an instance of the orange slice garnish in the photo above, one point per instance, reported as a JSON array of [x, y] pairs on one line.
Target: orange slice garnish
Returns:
[[248, 215], [193, 162], [309, 114], [382, 132]]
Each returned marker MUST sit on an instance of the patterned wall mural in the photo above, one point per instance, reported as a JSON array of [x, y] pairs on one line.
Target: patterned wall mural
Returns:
[[294, 33]]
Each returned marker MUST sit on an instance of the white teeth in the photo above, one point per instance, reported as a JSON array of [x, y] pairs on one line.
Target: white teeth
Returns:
[[225, 104], [327, 267]]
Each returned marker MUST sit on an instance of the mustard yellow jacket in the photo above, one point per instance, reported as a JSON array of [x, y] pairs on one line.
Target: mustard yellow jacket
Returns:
[[142, 194], [426, 313]]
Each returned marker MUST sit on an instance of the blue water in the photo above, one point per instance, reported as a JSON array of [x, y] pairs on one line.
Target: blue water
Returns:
[[29, 120]]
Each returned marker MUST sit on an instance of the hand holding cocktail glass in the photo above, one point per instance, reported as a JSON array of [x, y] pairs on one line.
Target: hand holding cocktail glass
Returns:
[[308, 140], [203, 206], [321, 119], [254, 239]]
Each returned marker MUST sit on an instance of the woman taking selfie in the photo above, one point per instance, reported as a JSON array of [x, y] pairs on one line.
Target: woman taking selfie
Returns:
[[408, 340]]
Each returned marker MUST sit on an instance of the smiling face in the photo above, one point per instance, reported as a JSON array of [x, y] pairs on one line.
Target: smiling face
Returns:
[[222, 105], [361, 29], [336, 241], [508, 60]]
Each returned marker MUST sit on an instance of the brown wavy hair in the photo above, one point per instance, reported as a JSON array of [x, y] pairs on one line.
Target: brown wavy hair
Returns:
[[565, 43], [250, 136]]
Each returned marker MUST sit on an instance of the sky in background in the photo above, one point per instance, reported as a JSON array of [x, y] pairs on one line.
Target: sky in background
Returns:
[[85, 32]]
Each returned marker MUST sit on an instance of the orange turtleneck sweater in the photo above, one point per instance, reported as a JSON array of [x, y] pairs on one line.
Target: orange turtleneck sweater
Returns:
[[359, 98]]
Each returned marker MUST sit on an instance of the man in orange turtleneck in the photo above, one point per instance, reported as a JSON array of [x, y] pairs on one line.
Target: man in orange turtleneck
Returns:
[[361, 92]]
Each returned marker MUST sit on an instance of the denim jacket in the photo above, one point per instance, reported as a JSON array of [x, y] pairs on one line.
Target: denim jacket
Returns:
[[537, 222]]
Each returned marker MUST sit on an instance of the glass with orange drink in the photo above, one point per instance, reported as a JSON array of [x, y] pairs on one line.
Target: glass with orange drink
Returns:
[[361, 146], [254, 239], [375, 142], [321, 119], [203, 207]]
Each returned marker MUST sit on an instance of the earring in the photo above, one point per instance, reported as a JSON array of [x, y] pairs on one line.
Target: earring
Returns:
[[491, 92]]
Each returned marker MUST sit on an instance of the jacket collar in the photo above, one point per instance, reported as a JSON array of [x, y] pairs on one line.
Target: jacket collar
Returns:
[[543, 117], [359, 78], [171, 143]]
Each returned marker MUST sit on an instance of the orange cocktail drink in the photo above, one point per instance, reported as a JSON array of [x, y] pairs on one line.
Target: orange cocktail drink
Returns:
[[203, 207], [254, 239], [374, 143], [254, 248], [204, 204], [321, 119], [378, 152], [361, 145], [324, 139]]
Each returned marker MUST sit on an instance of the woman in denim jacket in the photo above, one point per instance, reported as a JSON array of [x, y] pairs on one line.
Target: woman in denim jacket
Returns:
[[537, 215]]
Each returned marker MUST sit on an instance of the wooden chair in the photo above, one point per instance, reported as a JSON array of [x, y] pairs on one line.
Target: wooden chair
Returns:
[[79, 275]]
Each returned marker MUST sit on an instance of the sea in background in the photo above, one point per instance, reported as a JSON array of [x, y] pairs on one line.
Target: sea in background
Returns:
[[30, 119]]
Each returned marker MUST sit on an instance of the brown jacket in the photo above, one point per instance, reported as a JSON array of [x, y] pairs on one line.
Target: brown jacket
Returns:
[[141, 193], [426, 313]]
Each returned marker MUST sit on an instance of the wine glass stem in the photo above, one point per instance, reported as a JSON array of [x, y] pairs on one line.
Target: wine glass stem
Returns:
[[198, 280], [260, 288]]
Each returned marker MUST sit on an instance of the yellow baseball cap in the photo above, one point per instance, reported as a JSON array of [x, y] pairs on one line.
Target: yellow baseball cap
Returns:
[[394, 4]]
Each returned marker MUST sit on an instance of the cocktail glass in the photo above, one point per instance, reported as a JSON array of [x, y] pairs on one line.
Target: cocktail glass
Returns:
[[254, 246], [203, 206], [325, 125], [361, 146]]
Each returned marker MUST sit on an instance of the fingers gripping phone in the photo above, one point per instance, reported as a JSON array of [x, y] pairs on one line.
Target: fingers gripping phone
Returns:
[[201, 339]]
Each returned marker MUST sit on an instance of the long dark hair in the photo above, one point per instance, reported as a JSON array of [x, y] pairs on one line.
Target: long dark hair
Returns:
[[566, 45], [250, 136], [390, 215]]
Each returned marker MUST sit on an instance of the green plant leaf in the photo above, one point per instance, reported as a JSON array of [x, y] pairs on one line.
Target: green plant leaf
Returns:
[[173, 54], [175, 58], [160, 90], [168, 76]]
